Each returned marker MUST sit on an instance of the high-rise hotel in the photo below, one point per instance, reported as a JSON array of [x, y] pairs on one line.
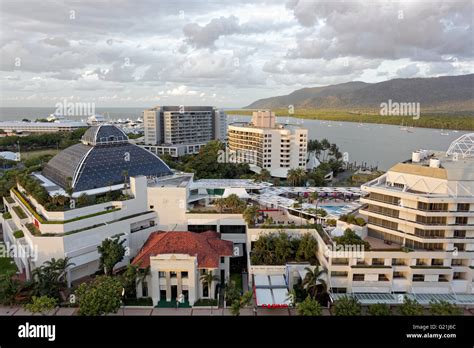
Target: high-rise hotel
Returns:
[[269, 145], [420, 227], [182, 130]]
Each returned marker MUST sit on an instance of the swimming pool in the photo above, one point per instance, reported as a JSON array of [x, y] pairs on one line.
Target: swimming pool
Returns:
[[334, 209]]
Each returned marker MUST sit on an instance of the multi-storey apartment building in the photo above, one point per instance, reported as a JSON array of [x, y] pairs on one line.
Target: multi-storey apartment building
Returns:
[[267, 145], [182, 130], [420, 227]]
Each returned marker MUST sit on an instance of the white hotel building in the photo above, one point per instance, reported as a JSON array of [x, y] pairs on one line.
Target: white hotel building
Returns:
[[268, 145], [420, 229], [182, 130]]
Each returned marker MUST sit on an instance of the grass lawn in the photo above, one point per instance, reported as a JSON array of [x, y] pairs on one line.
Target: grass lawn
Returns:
[[6, 263], [29, 154]]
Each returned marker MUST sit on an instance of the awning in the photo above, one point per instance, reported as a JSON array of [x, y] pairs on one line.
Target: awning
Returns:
[[271, 290], [239, 191]]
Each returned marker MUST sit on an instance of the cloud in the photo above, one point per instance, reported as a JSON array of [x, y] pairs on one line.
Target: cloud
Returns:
[[410, 70], [238, 50], [56, 41], [205, 36]]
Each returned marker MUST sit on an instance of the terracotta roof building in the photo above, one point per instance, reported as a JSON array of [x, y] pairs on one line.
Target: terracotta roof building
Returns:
[[178, 259], [207, 246]]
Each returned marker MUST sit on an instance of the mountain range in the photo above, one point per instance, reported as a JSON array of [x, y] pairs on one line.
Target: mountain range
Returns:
[[436, 94]]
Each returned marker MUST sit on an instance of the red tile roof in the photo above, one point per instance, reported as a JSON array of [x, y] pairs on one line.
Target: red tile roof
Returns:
[[206, 245]]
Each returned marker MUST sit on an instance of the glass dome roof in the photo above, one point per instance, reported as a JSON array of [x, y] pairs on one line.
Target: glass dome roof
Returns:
[[102, 159]]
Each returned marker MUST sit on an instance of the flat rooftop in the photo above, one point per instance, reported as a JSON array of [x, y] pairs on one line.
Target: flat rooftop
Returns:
[[249, 184], [175, 180]]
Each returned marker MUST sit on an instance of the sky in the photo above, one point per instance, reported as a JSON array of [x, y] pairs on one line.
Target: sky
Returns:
[[119, 53]]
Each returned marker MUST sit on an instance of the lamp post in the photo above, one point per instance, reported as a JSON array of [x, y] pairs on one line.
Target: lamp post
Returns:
[[123, 301]]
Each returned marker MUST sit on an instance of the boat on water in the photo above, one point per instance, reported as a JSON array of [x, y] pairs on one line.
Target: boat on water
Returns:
[[442, 132], [402, 127]]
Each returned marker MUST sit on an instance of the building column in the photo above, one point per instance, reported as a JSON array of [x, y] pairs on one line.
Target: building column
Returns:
[[155, 287], [179, 282], [168, 286], [139, 289], [68, 277]]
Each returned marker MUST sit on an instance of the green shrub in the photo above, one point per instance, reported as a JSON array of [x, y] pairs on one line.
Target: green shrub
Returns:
[[379, 309], [444, 308], [18, 234], [19, 212], [205, 302], [347, 306], [7, 215]]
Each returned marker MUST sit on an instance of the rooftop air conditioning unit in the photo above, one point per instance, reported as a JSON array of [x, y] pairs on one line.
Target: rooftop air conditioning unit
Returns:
[[434, 163]]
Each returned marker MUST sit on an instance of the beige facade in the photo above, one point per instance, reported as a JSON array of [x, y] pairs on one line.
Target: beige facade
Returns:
[[172, 275], [267, 145]]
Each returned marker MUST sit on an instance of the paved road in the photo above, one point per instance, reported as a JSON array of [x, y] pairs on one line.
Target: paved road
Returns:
[[20, 311]]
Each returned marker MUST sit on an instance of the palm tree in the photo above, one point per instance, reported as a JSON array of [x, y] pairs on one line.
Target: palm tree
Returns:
[[60, 199], [292, 177], [264, 175], [69, 189], [312, 281], [208, 278], [234, 203], [125, 178], [296, 176], [220, 203], [60, 267], [250, 214], [314, 197], [10, 288]]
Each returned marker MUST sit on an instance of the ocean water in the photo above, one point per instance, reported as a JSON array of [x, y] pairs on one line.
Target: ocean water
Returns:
[[32, 113]]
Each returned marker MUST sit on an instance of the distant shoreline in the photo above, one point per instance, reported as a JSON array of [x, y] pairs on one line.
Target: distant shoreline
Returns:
[[431, 120]]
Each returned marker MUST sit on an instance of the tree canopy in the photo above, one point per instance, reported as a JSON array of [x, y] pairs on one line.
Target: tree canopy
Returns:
[[111, 252], [101, 296]]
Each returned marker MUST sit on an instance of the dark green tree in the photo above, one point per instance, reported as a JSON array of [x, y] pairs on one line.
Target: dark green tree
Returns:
[[309, 307], [111, 252], [380, 309], [101, 296], [347, 306]]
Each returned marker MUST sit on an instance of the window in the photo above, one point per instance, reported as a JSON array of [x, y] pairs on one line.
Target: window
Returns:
[[457, 262], [338, 274], [399, 262], [431, 220], [458, 275], [358, 277], [398, 275], [461, 220], [418, 277], [433, 206], [173, 274], [463, 206], [459, 234], [184, 274], [232, 229], [162, 274], [202, 228], [145, 289], [222, 260], [378, 262]]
